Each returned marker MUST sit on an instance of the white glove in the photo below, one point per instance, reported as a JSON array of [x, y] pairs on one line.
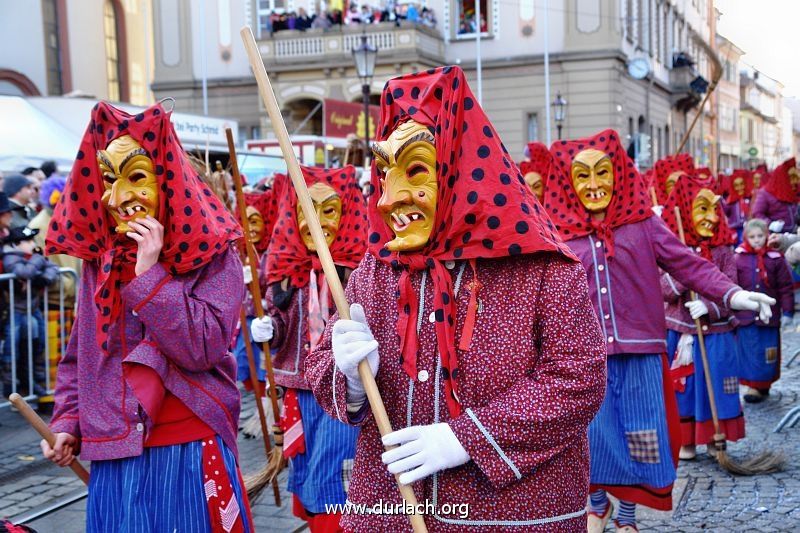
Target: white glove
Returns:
[[776, 226], [352, 341], [753, 301], [422, 451], [658, 209], [787, 321], [684, 354], [248, 274], [261, 329], [696, 308]]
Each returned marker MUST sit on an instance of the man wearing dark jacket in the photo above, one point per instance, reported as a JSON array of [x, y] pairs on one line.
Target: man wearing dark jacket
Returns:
[[20, 192]]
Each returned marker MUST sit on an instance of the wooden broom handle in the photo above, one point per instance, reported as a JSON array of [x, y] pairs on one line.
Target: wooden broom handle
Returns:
[[255, 288], [42, 429], [324, 254], [712, 400]]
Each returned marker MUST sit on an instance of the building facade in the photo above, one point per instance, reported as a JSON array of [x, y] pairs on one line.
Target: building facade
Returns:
[[760, 118], [728, 98], [590, 43], [101, 48]]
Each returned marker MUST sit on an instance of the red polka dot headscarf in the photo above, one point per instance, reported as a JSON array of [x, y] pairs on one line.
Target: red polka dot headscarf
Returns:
[[484, 208], [540, 161], [683, 196], [664, 167], [726, 184], [779, 185], [196, 224], [629, 202], [287, 256], [266, 204]]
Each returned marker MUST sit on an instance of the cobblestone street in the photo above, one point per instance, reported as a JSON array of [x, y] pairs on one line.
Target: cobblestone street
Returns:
[[706, 497]]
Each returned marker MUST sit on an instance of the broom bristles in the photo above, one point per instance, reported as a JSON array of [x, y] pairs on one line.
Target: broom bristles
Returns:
[[764, 463], [256, 483]]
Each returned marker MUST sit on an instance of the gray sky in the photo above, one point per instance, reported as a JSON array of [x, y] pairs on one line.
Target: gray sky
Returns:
[[767, 31]]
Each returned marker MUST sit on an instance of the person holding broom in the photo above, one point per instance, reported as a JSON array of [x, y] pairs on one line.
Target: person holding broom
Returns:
[[475, 320], [601, 207], [146, 389], [708, 235], [320, 449]]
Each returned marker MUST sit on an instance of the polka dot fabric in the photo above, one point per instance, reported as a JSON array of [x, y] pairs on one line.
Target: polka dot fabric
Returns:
[[484, 209], [196, 225], [666, 166], [683, 196], [287, 256], [629, 203], [266, 204], [540, 161], [779, 185]]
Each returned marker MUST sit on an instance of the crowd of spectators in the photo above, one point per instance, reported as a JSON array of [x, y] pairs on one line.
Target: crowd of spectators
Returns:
[[355, 14]]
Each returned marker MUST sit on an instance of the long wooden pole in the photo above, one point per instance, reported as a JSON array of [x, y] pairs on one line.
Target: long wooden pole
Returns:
[[324, 254], [41, 428], [255, 293]]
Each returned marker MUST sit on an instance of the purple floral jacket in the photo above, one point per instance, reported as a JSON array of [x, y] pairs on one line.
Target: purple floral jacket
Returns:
[[769, 208], [180, 327], [781, 286]]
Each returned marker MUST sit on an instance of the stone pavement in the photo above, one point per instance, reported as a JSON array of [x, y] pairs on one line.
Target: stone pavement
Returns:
[[706, 497]]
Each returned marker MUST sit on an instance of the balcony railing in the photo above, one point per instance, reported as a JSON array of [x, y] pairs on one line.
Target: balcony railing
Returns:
[[333, 47]]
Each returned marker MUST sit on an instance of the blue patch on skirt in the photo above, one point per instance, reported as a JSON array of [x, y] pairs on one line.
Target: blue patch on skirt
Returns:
[[754, 361]]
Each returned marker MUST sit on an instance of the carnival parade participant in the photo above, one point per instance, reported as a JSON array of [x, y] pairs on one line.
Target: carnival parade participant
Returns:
[[760, 178], [536, 169], [777, 199], [666, 172], [490, 394], [708, 235], [762, 270], [736, 204], [320, 448], [146, 389], [601, 207]]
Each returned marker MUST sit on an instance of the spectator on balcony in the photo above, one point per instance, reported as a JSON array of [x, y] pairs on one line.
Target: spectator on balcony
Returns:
[[322, 22], [428, 18], [304, 22], [353, 16], [366, 15], [412, 14], [336, 17]]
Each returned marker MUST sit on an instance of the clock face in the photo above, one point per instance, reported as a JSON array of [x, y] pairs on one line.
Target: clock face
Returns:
[[639, 68]]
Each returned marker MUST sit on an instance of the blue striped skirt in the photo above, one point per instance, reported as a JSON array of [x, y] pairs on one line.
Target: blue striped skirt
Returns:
[[158, 491], [629, 438], [321, 475]]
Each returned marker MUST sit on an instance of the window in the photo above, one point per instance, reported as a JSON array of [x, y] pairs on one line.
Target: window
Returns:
[[629, 18], [750, 139], [727, 118], [640, 24], [465, 18], [533, 127], [112, 51]]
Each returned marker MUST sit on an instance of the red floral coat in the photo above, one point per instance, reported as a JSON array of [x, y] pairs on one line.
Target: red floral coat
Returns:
[[530, 383]]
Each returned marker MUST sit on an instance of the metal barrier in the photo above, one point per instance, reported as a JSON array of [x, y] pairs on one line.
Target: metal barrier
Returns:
[[11, 367]]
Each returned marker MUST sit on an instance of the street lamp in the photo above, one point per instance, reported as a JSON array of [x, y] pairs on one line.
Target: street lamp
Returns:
[[559, 112], [364, 56]]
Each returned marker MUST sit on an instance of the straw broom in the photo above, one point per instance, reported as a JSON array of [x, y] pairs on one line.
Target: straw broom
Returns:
[[324, 254], [764, 463], [275, 461]]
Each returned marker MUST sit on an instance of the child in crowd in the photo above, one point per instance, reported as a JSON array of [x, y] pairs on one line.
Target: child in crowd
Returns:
[[762, 270], [22, 258]]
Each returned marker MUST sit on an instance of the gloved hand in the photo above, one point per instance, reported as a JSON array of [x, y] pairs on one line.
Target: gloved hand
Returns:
[[776, 226], [422, 451], [696, 308], [658, 209], [684, 354], [261, 329], [248, 274], [787, 321], [353, 341], [753, 301]]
